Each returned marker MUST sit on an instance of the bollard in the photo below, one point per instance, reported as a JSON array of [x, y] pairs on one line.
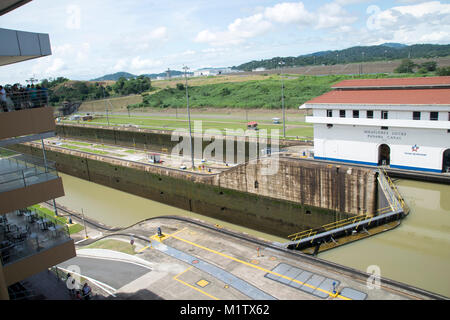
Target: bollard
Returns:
[[257, 251], [159, 232]]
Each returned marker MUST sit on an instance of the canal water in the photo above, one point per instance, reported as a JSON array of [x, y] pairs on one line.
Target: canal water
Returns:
[[120, 209], [417, 252]]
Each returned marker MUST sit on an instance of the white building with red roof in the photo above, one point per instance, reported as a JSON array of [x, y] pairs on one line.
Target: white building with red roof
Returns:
[[403, 123]]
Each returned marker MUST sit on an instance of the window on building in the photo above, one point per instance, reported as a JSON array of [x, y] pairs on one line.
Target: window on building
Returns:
[[355, 113], [384, 128], [434, 115], [329, 113], [384, 114], [416, 115], [342, 114], [449, 116], [369, 114]]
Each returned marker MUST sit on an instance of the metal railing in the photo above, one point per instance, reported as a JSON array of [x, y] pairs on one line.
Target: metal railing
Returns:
[[390, 188], [18, 171], [327, 227], [397, 206], [24, 99], [25, 232]]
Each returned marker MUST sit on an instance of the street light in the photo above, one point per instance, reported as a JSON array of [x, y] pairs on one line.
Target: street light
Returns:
[[106, 104], [281, 63], [185, 68]]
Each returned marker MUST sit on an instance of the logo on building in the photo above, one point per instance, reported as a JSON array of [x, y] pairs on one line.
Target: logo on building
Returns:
[[415, 148]]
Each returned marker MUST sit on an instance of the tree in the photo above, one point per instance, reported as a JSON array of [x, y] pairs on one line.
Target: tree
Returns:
[[407, 66], [443, 71], [429, 66]]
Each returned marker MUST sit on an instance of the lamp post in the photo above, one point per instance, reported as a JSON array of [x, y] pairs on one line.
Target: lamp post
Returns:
[[185, 68], [84, 222], [281, 63], [106, 105]]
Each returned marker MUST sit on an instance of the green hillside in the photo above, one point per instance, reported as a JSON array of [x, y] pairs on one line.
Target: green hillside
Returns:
[[250, 94], [351, 55]]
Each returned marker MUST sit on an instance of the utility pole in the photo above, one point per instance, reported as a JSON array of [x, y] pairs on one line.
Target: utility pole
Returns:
[[281, 63], [185, 68], [106, 105], [46, 170], [84, 223]]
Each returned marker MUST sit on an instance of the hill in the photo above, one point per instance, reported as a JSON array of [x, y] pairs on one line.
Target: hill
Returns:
[[264, 93], [116, 76], [386, 51]]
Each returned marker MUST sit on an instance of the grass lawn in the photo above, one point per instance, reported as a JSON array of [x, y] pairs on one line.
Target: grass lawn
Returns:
[[300, 129], [75, 228], [70, 146], [50, 214], [115, 245]]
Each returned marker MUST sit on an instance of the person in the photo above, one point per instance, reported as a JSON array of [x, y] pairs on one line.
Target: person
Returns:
[[3, 99], [86, 291], [71, 287], [33, 96], [44, 95]]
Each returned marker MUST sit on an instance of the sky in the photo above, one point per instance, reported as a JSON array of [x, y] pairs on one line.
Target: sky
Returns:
[[91, 38]]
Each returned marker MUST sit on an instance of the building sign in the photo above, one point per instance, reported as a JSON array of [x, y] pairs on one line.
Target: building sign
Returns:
[[415, 151], [385, 134]]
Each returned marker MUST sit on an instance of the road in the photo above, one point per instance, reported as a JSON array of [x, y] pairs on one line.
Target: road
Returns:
[[114, 273]]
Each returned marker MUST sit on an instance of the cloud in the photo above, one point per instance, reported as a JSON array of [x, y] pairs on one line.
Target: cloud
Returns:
[[330, 15], [139, 64], [289, 12], [423, 22], [160, 33], [237, 32]]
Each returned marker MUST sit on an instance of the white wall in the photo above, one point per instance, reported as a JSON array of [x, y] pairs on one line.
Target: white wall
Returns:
[[360, 143]]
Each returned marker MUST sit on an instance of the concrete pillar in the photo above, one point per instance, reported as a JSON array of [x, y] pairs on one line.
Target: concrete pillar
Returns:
[[3, 288]]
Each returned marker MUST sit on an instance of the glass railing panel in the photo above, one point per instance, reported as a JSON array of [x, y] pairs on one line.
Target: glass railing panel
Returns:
[[29, 231]]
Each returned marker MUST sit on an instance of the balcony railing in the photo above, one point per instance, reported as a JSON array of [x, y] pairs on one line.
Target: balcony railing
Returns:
[[24, 100], [19, 171], [26, 232]]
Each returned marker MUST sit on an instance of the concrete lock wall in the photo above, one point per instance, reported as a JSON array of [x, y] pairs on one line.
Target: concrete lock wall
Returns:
[[155, 140], [298, 197]]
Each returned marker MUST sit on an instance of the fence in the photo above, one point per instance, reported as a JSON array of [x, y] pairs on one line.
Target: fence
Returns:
[[19, 171], [397, 208], [20, 100]]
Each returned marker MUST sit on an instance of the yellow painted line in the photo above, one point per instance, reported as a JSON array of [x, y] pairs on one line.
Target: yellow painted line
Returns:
[[143, 249], [166, 236], [257, 267], [191, 286]]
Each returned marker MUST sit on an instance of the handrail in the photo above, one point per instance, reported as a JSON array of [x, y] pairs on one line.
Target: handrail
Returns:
[[27, 99], [396, 204]]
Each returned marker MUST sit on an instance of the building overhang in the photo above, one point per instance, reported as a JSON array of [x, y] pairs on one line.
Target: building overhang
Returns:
[[374, 106], [19, 46], [9, 5], [422, 124]]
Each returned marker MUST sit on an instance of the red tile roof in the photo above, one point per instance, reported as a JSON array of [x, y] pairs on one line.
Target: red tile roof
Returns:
[[394, 82], [387, 96]]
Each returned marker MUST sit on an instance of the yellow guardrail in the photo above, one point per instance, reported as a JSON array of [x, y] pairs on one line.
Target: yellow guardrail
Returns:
[[341, 223], [394, 188], [337, 224]]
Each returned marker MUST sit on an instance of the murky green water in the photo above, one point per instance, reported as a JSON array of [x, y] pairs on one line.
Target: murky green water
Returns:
[[418, 251], [116, 208]]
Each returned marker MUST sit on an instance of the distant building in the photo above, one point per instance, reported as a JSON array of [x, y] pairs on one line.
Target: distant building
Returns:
[[204, 72], [401, 123], [259, 69]]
